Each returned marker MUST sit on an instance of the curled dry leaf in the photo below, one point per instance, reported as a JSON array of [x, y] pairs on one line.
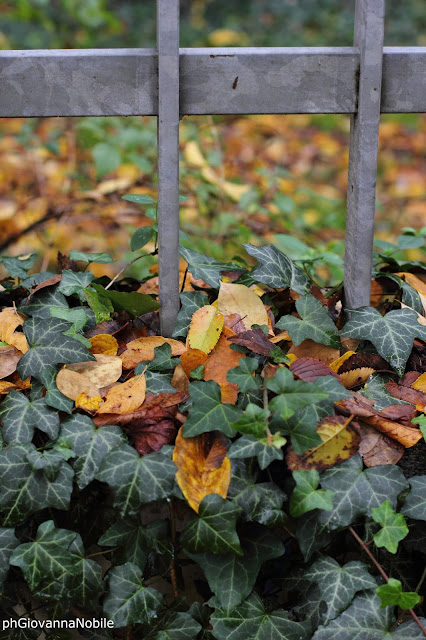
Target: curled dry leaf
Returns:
[[376, 448], [5, 387], [237, 298], [104, 343], [360, 360], [191, 359], [180, 380], [255, 340], [340, 442], [412, 395], [282, 335], [203, 467], [309, 369], [233, 321], [10, 320], [407, 436], [311, 349], [335, 366], [72, 384], [356, 377], [219, 362], [104, 371], [125, 397], [9, 358], [205, 328], [142, 349], [88, 403]]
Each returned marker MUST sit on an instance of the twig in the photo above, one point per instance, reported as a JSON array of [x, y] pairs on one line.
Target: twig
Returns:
[[172, 562], [383, 574], [422, 579], [184, 279], [115, 278], [50, 215]]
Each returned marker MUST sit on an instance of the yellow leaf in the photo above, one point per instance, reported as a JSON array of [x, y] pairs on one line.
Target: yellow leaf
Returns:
[[237, 298], [219, 362], [143, 349], [104, 343], [420, 383], [10, 320], [87, 403], [104, 371], [203, 467], [283, 335], [355, 377], [5, 387], [125, 397], [339, 442], [71, 384], [335, 366], [205, 329]]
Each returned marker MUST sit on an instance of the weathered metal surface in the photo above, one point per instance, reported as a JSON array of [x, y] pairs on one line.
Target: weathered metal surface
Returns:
[[362, 172], [168, 162], [91, 82]]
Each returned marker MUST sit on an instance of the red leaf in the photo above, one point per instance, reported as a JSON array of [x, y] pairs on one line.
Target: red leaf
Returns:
[[309, 369]]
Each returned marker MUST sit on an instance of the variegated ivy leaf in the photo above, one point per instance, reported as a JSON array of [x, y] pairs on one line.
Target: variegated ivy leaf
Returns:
[[208, 412], [8, 542], [276, 270], [394, 528], [24, 490], [74, 282], [54, 398], [214, 529], [38, 306], [206, 268], [18, 266], [128, 601], [99, 258], [375, 390], [250, 620], [357, 491], [251, 447], [392, 334], [306, 496], [242, 375], [175, 626], [136, 480], [415, 502], [21, 416], [311, 534], [338, 585], [231, 577], [315, 324], [191, 301], [49, 346], [90, 445], [364, 620], [49, 460]]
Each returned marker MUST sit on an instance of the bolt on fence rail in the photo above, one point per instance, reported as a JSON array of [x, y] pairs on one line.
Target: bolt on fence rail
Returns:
[[364, 81]]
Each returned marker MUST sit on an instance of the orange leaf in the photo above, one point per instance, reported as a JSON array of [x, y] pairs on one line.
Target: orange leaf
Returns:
[[180, 380], [420, 383], [125, 397], [203, 467], [205, 328], [104, 343], [143, 349], [219, 362], [407, 436], [311, 349], [191, 359]]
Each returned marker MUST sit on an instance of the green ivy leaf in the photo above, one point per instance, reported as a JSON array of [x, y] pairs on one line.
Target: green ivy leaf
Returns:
[[53, 398], [415, 503], [101, 307], [301, 427], [208, 413], [38, 306], [363, 619], [136, 480], [392, 334], [357, 491], [254, 421], [292, 394], [231, 577], [391, 594], [191, 301], [311, 534], [276, 270], [250, 447], [306, 496], [134, 303], [394, 528], [375, 390], [214, 529], [128, 601], [421, 422], [242, 375], [90, 445], [24, 490], [49, 346], [177, 626], [338, 585], [19, 266], [315, 324], [84, 583], [99, 258], [47, 556], [20, 417], [251, 620], [8, 542], [162, 359], [206, 268], [49, 460], [74, 281], [139, 198], [141, 237]]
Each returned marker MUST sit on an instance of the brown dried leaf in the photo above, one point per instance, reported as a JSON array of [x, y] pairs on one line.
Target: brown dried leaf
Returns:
[[71, 384], [311, 349], [361, 360], [407, 436], [418, 398], [203, 467], [10, 320], [125, 397], [103, 372], [143, 349], [309, 369], [9, 358], [255, 340], [108, 326], [180, 380], [233, 321], [46, 283], [376, 448]]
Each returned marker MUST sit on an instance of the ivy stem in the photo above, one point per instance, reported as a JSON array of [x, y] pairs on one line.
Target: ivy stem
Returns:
[[101, 553], [115, 278], [383, 574], [422, 579], [184, 280]]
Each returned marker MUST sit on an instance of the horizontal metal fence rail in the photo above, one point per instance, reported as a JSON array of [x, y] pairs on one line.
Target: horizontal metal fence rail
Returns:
[[363, 81]]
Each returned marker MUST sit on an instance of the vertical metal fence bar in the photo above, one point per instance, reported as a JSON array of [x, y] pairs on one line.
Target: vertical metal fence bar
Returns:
[[362, 172], [168, 162]]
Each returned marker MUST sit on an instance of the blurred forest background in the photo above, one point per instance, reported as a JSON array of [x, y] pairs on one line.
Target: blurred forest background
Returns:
[[261, 179]]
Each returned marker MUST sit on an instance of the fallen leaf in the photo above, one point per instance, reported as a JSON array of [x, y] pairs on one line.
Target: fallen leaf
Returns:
[[125, 397], [350, 344], [9, 358], [340, 442], [180, 380], [360, 360], [205, 328], [88, 403], [10, 320], [219, 362], [233, 321], [103, 372], [282, 335], [191, 359], [203, 467], [5, 387], [311, 349], [407, 436], [376, 448], [420, 383], [237, 298], [399, 412], [412, 395], [309, 369], [355, 377], [335, 366], [409, 378], [104, 343], [142, 349], [108, 326], [255, 340], [46, 283], [72, 384]]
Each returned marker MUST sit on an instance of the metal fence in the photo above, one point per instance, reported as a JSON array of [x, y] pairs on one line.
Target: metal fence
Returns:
[[364, 81]]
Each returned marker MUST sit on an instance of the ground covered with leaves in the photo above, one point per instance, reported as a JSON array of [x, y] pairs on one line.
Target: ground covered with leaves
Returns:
[[260, 474]]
